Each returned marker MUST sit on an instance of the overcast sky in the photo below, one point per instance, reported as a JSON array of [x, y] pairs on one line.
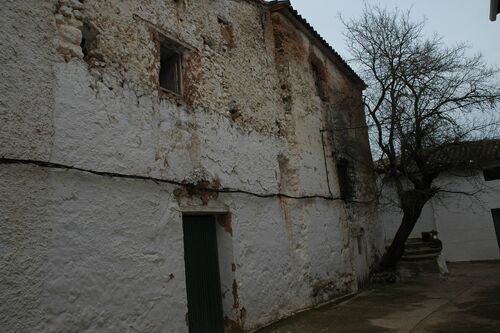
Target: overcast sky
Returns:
[[454, 20]]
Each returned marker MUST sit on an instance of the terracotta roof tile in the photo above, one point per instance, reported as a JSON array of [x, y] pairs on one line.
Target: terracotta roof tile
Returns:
[[471, 152]]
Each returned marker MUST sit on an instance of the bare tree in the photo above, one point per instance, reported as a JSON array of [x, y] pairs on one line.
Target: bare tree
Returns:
[[422, 97]]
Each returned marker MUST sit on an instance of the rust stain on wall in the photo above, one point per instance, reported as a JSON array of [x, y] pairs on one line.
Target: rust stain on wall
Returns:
[[243, 316], [225, 221], [192, 74], [236, 303], [231, 326], [206, 196], [286, 217], [153, 68], [203, 190], [324, 74], [288, 41]]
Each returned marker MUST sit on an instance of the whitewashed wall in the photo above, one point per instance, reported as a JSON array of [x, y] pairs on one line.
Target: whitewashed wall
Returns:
[[86, 252], [464, 223]]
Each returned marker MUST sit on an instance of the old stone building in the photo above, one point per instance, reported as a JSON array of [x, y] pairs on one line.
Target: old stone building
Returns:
[[154, 151]]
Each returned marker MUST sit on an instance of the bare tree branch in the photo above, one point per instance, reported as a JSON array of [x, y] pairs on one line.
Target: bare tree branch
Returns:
[[422, 97]]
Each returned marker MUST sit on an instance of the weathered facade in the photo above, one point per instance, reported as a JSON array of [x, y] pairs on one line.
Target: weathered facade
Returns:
[[101, 163]]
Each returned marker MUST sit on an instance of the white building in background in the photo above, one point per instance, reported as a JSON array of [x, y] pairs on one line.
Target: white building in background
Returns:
[[160, 159], [468, 225]]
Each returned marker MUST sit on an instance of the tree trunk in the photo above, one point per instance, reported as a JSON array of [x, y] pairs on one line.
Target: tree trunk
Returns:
[[413, 202]]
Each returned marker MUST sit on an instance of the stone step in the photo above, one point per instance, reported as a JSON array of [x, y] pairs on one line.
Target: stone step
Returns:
[[420, 257], [433, 243], [414, 240], [417, 250], [416, 267], [422, 250]]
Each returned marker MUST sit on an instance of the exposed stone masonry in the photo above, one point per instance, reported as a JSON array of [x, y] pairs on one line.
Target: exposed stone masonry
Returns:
[[69, 20]]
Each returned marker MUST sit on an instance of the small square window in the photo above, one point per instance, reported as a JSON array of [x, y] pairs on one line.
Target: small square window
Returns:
[[170, 68]]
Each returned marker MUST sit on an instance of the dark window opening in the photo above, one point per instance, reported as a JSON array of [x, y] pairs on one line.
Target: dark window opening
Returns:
[[345, 175], [491, 173], [359, 240], [318, 82], [89, 40], [170, 68]]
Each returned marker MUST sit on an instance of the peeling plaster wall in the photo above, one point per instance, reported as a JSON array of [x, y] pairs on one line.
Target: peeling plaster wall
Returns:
[[339, 111], [85, 252]]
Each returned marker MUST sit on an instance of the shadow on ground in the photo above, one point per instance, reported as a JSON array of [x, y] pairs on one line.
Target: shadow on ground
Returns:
[[466, 301]]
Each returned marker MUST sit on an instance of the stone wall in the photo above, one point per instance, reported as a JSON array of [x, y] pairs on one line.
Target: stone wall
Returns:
[[93, 252]]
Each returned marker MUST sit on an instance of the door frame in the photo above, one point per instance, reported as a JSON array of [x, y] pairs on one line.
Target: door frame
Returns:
[[216, 299]]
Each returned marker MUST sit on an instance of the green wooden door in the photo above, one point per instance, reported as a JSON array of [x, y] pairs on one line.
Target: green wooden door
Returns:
[[202, 275]]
